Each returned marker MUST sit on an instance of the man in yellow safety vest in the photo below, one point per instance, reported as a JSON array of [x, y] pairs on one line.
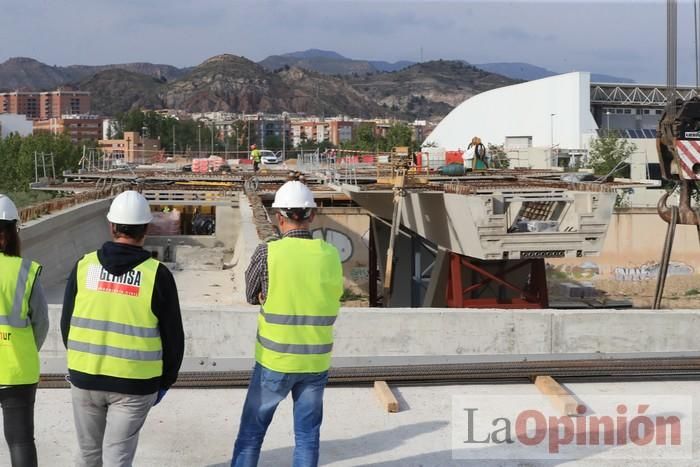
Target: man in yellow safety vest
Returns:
[[298, 281], [255, 155], [122, 328]]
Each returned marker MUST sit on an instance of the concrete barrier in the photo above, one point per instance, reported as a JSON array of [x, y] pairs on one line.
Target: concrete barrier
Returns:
[[223, 338], [246, 243], [58, 240]]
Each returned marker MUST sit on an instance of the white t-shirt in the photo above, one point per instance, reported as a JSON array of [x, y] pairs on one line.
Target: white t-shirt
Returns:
[[468, 155]]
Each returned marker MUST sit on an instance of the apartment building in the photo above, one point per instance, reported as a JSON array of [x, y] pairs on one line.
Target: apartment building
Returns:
[[45, 105], [340, 131], [80, 128]]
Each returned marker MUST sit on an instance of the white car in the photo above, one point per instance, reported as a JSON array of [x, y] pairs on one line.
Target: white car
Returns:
[[270, 158]]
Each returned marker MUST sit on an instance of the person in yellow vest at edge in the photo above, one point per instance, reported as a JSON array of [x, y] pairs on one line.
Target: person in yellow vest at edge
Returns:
[[255, 155], [122, 328], [298, 281], [24, 323]]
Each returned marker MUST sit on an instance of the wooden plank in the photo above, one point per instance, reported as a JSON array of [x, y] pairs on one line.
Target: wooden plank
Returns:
[[386, 397], [560, 398], [395, 227]]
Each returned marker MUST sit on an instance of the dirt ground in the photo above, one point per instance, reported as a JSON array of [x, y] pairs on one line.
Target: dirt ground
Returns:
[[681, 292]]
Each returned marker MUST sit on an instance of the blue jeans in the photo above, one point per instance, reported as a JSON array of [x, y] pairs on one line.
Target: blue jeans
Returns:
[[267, 389]]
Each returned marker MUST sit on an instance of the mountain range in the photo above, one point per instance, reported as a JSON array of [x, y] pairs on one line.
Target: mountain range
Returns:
[[309, 82], [527, 72], [325, 61], [235, 84]]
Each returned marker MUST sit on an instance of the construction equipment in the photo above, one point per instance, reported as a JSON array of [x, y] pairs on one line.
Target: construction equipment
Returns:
[[400, 161], [678, 146]]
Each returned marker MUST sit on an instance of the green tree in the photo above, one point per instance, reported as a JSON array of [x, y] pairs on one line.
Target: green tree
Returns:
[[17, 158], [608, 155], [399, 134], [499, 157], [364, 138]]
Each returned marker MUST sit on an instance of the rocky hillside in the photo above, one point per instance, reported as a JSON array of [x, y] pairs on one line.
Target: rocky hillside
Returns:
[[328, 66], [163, 72], [318, 94], [330, 63], [428, 89], [229, 83], [235, 84], [115, 91], [28, 74]]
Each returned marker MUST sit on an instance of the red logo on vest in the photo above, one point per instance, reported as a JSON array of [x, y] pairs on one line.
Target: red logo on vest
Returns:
[[126, 284]]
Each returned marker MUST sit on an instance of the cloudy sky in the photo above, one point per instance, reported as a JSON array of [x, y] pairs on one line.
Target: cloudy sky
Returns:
[[624, 38]]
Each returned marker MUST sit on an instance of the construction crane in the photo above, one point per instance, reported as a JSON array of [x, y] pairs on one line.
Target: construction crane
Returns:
[[678, 145]]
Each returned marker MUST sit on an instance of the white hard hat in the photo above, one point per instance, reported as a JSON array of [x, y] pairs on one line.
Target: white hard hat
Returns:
[[130, 208], [294, 195], [8, 210]]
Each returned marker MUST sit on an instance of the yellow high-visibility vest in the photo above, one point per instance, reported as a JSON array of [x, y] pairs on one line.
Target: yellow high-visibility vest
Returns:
[[19, 357], [255, 155], [113, 330], [295, 325]]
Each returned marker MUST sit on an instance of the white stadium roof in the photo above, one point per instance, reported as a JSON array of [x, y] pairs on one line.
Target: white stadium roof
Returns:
[[523, 110]]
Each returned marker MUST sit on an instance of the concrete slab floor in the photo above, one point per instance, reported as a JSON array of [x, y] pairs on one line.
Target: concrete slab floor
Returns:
[[197, 427]]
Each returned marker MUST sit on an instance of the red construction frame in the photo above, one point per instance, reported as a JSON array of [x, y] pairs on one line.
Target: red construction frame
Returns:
[[534, 295]]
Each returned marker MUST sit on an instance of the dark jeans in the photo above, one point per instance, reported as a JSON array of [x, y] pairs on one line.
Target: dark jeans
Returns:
[[256, 166], [18, 416]]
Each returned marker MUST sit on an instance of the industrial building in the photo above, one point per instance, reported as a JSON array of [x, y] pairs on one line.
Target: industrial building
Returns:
[[550, 122], [542, 113]]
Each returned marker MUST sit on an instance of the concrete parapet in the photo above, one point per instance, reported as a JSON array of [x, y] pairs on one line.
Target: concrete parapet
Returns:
[[58, 240], [246, 243], [222, 338]]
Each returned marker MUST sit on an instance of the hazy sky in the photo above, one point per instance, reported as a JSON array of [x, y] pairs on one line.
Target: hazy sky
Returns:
[[625, 38]]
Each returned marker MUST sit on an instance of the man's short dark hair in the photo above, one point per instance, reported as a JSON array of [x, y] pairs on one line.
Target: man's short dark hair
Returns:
[[135, 232], [296, 214]]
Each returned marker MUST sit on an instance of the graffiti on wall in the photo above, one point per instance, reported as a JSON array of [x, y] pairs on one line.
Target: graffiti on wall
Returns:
[[650, 271], [342, 242], [359, 275], [644, 272], [587, 270]]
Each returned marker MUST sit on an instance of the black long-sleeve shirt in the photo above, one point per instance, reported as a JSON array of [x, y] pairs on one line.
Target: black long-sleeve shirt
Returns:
[[118, 258]]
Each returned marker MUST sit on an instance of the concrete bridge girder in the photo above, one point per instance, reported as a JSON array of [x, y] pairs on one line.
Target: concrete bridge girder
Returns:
[[480, 225]]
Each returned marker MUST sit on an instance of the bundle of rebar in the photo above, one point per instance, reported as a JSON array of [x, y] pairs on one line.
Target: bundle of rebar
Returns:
[[462, 373]]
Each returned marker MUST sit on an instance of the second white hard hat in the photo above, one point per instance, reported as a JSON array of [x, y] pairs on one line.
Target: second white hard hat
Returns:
[[8, 210], [293, 195], [130, 208]]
